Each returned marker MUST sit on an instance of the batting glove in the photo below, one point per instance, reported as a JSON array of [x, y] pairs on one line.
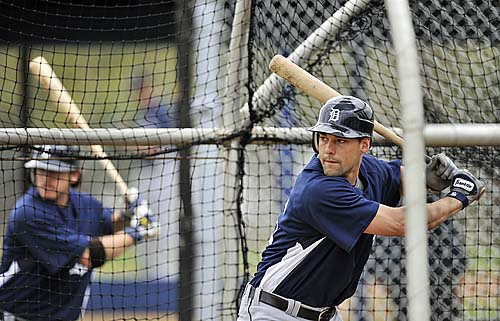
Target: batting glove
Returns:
[[466, 188], [439, 172], [142, 223]]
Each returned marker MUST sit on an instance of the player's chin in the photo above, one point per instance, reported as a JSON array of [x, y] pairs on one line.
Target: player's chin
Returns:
[[47, 194], [330, 171]]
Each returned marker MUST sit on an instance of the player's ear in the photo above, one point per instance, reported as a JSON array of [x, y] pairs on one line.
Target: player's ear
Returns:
[[74, 177], [365, 144]]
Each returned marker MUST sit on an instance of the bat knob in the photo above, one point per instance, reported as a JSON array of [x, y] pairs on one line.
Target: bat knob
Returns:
[[132, 195]]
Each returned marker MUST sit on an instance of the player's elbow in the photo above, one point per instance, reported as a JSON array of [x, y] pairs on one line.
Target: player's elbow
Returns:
[[85, 259]]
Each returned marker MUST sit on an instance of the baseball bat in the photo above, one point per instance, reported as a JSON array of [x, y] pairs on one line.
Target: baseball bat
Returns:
[[314, 87], [65, 105]]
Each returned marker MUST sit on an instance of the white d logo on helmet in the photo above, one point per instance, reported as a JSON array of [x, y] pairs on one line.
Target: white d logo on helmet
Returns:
[[334, 114]]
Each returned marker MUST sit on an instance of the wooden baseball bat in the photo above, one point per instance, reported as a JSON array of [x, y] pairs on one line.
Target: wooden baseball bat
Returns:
[[314, 87], [47, 78]]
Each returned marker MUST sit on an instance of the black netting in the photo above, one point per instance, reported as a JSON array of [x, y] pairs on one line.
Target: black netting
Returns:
[[193, 64], [458, 45]]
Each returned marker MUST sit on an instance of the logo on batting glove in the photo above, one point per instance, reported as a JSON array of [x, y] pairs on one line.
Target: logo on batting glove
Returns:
[[463, 184]]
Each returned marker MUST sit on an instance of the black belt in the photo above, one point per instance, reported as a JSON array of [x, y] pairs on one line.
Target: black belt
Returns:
[[282, 304]]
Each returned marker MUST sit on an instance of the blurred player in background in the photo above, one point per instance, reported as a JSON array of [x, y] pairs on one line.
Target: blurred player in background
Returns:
[[341, 199], [57, 235], [155, 174], [151, 111]]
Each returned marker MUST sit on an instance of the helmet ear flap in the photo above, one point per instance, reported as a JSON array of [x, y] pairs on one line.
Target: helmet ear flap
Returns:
[[315, 142]]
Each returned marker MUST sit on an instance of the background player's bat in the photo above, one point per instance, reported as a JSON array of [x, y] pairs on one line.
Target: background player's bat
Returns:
[[47, 78], [314, 87]]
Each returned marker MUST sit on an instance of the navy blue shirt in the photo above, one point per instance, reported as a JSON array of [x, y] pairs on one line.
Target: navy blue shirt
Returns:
[[318, 249], [40, 277], [156, 116]]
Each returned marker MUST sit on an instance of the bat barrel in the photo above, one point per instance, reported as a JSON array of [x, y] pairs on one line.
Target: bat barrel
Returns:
[[316, 88], [66, 105]]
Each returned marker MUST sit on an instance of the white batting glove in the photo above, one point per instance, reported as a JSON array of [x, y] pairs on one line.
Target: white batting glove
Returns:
[[439, 172], [142, 222], [466, 188]]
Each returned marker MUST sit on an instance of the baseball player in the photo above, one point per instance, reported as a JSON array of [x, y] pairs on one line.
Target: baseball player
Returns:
[[341, 199], [56, 236]]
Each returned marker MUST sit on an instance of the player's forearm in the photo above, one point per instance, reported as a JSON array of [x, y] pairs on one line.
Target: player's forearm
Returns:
[[118, 221], [441, 210], [115, 244], [391, 221]]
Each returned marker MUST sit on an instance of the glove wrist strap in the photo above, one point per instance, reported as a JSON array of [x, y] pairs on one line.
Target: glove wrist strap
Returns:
[[459, 196], [136, 235]]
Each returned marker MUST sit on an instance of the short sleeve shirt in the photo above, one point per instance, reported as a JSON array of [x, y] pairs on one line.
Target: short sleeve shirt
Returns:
[[318, 249], [40, 277]]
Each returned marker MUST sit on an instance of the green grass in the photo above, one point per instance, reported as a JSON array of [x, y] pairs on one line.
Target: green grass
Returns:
[[126, 264], [97, 76]]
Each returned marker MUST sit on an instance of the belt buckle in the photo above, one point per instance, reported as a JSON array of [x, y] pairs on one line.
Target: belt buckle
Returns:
[[326, 314]]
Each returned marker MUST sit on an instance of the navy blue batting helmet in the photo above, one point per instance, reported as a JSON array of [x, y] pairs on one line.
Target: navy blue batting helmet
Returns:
[[344, 116]]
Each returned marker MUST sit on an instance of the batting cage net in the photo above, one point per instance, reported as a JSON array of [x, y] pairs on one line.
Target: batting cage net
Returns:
[[175, 98]]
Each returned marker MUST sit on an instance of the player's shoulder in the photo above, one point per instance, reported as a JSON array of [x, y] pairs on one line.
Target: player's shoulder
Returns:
[[85, 203], [82, 197], [372, 163], [27, 207], [28, 200], [324, 185], [380, 172]]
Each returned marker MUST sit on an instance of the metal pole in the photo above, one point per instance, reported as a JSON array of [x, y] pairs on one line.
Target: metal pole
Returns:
[[437, 135], [417, 269], [24, 112], [186, 255], [237, 78]]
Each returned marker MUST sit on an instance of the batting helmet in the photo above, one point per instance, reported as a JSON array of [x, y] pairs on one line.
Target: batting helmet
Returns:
[[55, 158], [344, 116]]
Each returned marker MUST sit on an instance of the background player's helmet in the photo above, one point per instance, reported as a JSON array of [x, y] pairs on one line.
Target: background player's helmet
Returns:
[[55, 158], [344, 116]]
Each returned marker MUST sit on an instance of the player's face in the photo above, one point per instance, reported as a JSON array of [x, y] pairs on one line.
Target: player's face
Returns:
[[54, 186], [341, 156], [145, 96]]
